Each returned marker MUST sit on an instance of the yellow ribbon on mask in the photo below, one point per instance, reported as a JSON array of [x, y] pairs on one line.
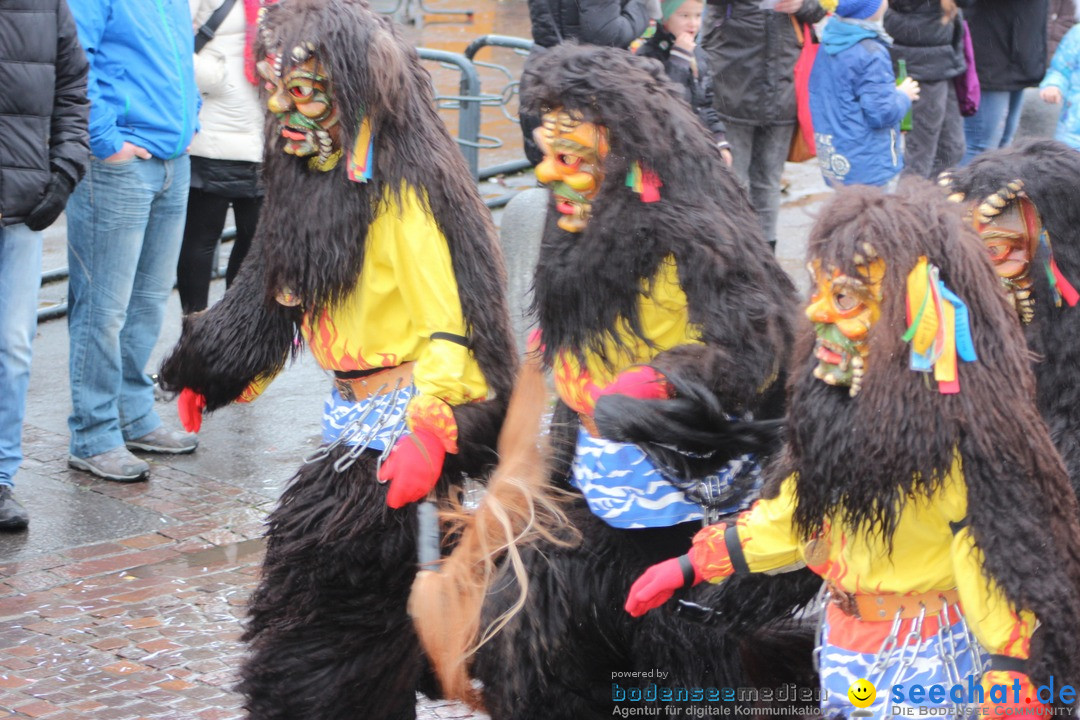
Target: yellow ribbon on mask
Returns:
[[932, 319], [945, 367], [361, 160], [922, 308]]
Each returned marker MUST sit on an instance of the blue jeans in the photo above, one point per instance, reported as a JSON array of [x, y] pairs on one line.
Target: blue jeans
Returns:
[[125, 225], [20, 278], [994, 125]]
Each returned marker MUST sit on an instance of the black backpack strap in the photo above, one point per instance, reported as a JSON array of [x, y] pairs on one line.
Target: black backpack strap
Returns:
[[206, 33]]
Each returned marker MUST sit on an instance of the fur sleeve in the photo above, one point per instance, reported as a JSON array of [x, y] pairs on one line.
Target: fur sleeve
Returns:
[[732, 381], [245, 336]]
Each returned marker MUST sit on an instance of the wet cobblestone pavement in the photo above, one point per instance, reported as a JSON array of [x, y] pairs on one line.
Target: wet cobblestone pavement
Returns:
[[138, 626]]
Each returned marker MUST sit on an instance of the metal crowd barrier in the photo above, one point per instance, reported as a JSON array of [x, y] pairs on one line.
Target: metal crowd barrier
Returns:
[[506, 94], [468, 103], [471, 99], [413, 11]]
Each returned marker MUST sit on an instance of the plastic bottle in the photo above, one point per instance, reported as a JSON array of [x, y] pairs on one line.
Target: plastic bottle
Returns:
[[905, 124]]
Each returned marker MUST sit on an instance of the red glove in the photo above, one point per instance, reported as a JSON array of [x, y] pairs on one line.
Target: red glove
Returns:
[[1029, 705], [413, 467], [657, 584], [642, 382], [190, 406]]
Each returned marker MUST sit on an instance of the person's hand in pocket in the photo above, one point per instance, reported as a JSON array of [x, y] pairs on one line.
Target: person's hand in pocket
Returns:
[[127, 152]]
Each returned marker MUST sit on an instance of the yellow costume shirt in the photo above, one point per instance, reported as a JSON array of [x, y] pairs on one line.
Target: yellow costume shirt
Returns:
[[665, 321], [406, 292], [926, 555]]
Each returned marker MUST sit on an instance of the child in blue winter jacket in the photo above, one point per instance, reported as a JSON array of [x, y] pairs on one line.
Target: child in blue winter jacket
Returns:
[[854, 100], [1062, 84]]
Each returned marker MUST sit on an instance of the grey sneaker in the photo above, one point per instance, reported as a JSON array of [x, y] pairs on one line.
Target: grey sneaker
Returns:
[[13, 515], [163, 440], [117, 465]]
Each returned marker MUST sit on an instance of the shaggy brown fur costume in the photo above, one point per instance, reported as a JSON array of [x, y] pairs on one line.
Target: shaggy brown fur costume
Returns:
[[557, 657], [328, 633], [858, 458], [1050, 172]]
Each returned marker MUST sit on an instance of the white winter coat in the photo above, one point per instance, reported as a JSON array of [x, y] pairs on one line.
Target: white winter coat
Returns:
[[231, 119]]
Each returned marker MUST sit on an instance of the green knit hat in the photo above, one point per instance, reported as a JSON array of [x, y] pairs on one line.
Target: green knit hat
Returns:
[[668, 7]]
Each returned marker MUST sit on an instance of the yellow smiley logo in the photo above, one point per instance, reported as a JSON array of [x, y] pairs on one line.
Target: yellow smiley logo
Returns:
[[862, 693]]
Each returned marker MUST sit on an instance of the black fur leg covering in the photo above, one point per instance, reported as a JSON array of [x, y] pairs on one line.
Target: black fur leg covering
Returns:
[[329, 636], [562, 656]]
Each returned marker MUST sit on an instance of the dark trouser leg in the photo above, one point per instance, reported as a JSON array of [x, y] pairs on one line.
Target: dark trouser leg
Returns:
[[205, 220], [950, 149], [927, 119], [329, 634], [771, 144], [246, 212], [747, 146]]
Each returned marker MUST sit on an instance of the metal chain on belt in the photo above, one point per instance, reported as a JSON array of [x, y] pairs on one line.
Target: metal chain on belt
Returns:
[[359, 436]]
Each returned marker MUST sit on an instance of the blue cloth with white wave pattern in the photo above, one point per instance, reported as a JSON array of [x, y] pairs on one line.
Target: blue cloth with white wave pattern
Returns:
[[626, 490], [340, 416], [840, 668]]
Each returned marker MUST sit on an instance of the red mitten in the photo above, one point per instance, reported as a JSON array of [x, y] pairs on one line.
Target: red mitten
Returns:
[[657, 584], [1028, 705], [190, 406], [413, 467], [642, 382]]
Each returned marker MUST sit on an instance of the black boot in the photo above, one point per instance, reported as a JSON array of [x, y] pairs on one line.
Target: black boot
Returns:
[[13, 516]]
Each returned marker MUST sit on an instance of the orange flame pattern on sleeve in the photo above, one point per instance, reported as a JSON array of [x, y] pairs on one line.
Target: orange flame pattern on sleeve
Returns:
[[322, 338], [709, 553], [1019, 643], [575, 385], [427, 412], [254, 389]]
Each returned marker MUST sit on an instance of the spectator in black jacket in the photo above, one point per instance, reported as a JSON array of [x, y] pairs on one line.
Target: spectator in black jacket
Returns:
[[928, 35], [752, 54], [44, 147], [612, 23], [675, 45], [1009, 38]]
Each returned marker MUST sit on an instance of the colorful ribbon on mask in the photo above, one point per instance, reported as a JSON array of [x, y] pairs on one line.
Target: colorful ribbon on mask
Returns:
[[939, 327], [644, 182], [361, 159], [1059, 285]]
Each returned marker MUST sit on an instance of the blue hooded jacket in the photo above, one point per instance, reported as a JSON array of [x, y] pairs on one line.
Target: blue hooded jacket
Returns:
[[856, 107], [142, 75], [1064, 74]]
